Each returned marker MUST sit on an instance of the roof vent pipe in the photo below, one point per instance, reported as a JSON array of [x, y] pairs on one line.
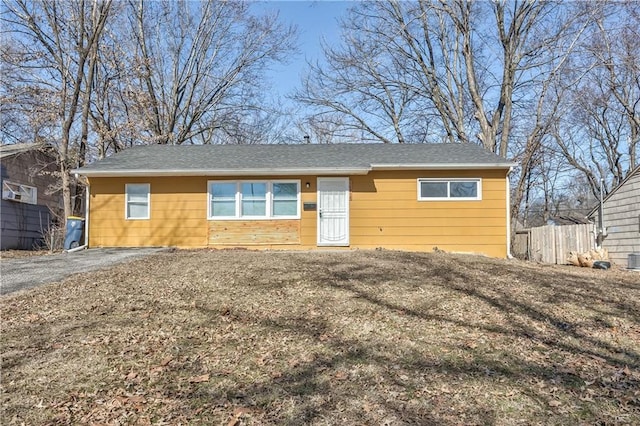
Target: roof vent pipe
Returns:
[[306, 139]]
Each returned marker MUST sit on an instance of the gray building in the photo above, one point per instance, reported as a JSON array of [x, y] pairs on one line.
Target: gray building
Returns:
[[621, 219], [30, 202]]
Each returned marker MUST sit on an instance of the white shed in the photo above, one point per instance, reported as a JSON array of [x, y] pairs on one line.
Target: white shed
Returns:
[[622, 219]]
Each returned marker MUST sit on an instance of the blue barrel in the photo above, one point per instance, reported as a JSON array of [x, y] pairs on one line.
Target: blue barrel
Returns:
[[74, 231]]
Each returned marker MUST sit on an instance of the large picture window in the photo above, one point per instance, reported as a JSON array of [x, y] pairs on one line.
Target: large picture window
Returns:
[[254, 199], [449, 189], [137, 200]]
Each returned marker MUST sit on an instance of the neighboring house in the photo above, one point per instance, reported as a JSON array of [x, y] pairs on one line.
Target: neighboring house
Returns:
[[621, 219], [28, 207], [404, 196]]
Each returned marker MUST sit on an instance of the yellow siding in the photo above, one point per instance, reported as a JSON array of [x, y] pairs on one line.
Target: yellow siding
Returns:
[[384, 212], [178, 215]]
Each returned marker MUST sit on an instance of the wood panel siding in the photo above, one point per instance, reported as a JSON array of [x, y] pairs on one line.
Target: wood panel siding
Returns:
[[384, 212], [254, 232], [622, 220]]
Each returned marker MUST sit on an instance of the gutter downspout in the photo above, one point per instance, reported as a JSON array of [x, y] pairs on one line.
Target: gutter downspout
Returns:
[[86, 215], [86, 221], [508, 203], [602, 233], [73, 250]]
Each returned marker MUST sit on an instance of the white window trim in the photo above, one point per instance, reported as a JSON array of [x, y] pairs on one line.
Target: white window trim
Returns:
[[126, 201], [238, 200], [9, 193], [448, 182]]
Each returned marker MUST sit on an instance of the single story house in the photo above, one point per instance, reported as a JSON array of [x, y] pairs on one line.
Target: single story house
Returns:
[[621, 219], [30, 203], [404, 196]]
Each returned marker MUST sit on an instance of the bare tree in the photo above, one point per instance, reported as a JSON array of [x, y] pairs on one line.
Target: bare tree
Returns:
[[324, 129], [111, 106], [54, 45], [429, 71], [600, 133], [198, 65], [362, 86], [91, 77]]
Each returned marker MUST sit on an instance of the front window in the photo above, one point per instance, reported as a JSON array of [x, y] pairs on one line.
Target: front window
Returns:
[[449, 189], [254, 199], [137, 200], [285, 199], [223, 199]]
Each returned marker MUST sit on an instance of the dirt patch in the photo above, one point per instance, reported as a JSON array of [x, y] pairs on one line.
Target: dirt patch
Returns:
[[361, 337]]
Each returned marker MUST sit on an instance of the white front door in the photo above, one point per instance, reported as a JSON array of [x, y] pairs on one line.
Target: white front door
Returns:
[[333, 211]]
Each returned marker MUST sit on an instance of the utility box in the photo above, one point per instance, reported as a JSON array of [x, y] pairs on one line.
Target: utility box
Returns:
[[74, 232]]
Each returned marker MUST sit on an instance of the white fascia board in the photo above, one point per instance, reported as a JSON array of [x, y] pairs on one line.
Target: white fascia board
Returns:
[[222, 172], [452, 166], [288, 172]]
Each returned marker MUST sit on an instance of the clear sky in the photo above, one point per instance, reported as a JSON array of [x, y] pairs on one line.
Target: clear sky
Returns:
[[315, 20]]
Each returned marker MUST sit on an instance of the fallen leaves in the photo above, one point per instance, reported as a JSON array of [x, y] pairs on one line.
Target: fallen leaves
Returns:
[[238, 414], [199, 379], [166, 361], [243, 338], [341, 375]]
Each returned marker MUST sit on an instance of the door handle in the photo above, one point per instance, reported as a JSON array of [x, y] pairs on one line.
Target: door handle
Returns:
[[320, 213]]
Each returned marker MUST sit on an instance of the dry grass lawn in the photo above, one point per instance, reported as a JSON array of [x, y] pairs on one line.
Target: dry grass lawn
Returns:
[[358, 337]]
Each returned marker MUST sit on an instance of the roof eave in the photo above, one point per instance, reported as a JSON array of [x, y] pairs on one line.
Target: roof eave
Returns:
[[453, 166], [289, 172], [222, 172]]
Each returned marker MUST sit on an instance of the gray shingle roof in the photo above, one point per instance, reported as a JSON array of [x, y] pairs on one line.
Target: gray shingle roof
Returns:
[[211, 160]]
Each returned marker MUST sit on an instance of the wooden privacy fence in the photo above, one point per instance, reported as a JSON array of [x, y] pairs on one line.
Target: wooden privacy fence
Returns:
[[552, 244]]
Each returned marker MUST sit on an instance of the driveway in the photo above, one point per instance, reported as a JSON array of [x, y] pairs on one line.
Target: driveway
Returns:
[[24, 273]]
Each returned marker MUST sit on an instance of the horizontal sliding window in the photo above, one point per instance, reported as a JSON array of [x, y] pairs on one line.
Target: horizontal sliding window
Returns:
[[449, 189], [254, 199]]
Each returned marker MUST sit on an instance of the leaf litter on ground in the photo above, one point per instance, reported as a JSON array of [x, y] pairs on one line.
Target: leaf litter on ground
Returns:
[[362, 337]]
